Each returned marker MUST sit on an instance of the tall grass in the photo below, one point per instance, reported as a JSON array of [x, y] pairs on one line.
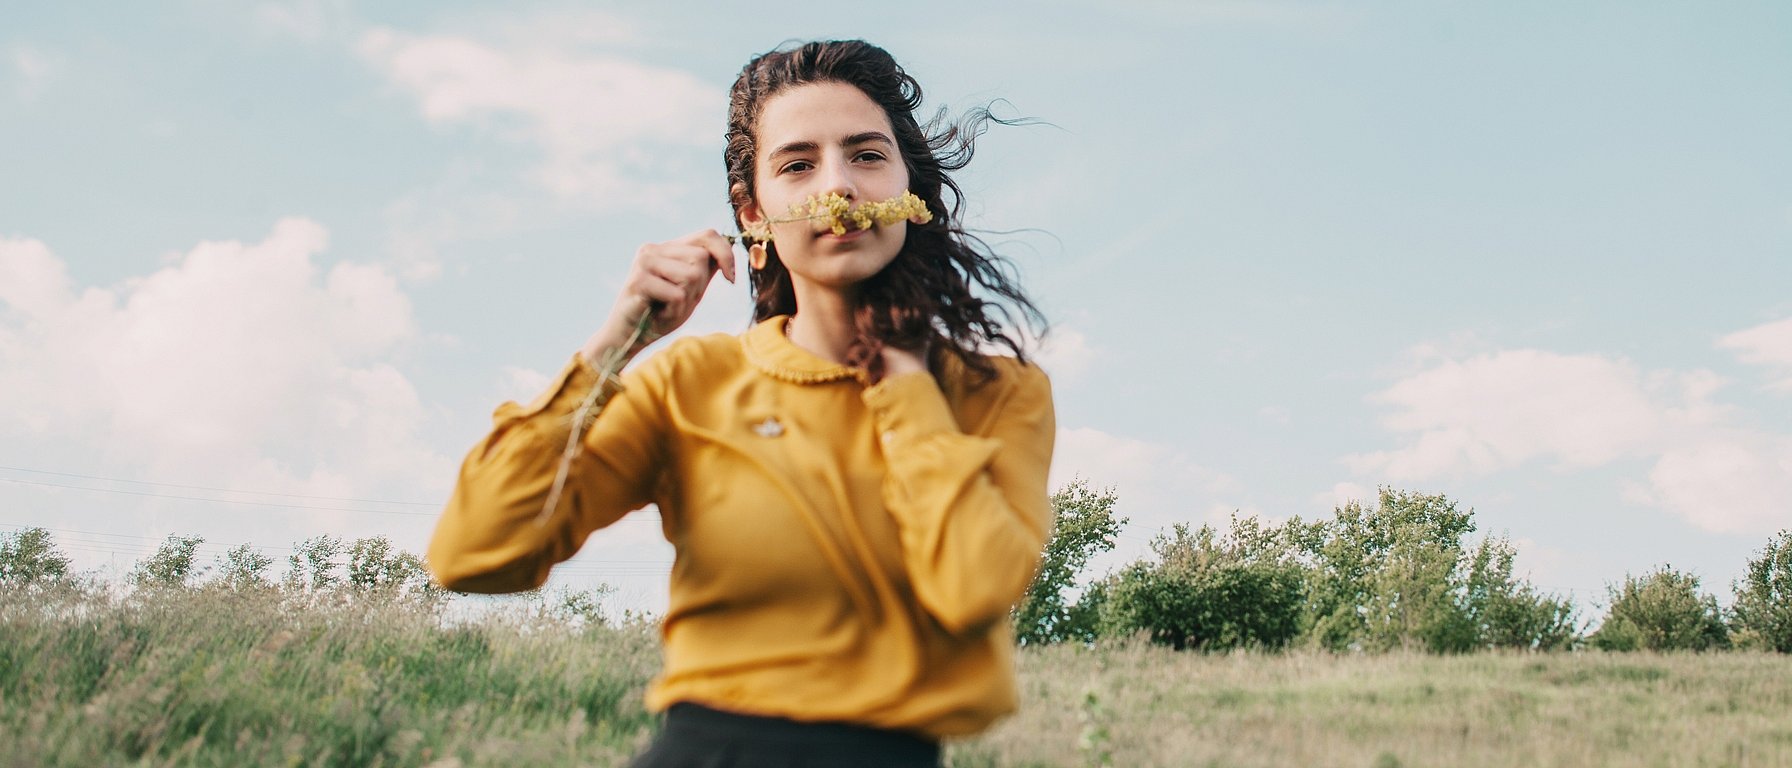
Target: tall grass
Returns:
[[211, 676], [1135, 704]]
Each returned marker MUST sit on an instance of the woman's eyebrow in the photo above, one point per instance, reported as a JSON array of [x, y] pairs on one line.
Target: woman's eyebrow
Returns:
[[867, 137], [799, 147], [795, 147]]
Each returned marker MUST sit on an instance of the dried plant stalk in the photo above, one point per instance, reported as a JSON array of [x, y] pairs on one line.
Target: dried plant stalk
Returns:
[[607, 370]]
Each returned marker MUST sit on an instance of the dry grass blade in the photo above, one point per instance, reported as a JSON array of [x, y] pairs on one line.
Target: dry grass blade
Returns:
[[607, 370]]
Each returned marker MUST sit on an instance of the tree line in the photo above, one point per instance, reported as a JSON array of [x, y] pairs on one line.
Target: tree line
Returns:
[[321, 571], [323, 565], [1402, 573]]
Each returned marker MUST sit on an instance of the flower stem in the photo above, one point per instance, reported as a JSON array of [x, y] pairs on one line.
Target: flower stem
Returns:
[[612, 363]]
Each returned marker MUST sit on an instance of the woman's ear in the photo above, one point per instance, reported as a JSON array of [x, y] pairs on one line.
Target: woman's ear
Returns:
[[745, 208]]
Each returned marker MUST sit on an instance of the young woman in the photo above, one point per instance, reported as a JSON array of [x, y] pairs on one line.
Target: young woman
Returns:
[[856, 489]]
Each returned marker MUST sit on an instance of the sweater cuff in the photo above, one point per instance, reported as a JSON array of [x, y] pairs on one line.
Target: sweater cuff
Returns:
[[909, 407], [569, 389]]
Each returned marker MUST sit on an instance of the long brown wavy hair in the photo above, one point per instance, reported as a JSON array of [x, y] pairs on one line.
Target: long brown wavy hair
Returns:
[[924, 298]]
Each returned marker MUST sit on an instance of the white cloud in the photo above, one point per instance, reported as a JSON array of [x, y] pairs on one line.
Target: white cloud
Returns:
[[1547, 567], [563, 28], [602, 131], [1729, 481], [522, 384], [238, 364], [1344, 493], [1065, 352], [425, 219], [1768, 345], [35, 69], [32, 280], [308, 20], [603, 121], [1157, 485], [1498, 411]]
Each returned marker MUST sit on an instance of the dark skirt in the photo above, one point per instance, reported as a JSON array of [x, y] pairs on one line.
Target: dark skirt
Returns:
[[699, 737]]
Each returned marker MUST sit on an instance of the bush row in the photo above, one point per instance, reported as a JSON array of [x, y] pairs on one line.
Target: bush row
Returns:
[[1401, 574]]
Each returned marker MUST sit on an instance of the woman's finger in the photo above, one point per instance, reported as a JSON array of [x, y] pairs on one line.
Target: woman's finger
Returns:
[[713, 250], [670, 278], [720, 251], [690, 277], [659, 291]]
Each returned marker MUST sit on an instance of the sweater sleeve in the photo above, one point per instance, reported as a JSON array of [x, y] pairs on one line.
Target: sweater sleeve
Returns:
[[973, 511], [493, 537]]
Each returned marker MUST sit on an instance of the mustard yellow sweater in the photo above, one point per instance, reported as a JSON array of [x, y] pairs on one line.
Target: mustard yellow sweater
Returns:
[[845, 551]]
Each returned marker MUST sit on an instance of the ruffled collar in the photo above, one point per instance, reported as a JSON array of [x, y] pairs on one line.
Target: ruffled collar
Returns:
[[769, 350]]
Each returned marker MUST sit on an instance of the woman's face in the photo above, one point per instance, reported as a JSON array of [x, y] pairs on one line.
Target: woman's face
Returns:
[[819, 138]]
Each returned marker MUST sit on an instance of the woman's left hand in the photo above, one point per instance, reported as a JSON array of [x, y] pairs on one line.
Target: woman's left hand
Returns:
[[901, 361]]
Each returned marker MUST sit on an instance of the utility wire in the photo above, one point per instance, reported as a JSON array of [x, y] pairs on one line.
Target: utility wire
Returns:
[[214, 488], [635, 518], [142, 548], [212, 500]]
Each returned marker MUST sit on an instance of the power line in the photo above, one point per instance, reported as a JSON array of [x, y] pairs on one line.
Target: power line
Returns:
[[214, 501], [214, 488], [633, 517], [96, 541], [146, 544], [151, 542]]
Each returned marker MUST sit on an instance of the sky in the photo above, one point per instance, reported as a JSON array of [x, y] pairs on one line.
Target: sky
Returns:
[[266, 268]]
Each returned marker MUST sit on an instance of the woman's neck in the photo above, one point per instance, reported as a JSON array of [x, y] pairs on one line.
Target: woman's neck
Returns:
[[823, 325]]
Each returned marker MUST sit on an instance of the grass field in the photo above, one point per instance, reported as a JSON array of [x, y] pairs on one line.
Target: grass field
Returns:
[[214, 678], [1141, 705]]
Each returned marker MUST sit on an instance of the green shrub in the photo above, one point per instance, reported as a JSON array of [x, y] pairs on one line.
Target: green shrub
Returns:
[[1382, 574], [1507, 612], [1207, 593], [1398, 575], [1411, 601], [374, 565], [31, 557], [1762, 616], [244, 568], [1084, 526], [372, 568], [313, 564], [1661, 611], [171, 565]]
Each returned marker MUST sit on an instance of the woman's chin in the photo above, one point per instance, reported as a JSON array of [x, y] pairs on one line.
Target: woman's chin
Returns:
[[839, 272]]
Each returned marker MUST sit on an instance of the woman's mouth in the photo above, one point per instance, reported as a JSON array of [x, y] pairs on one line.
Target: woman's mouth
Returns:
[[850, 234]]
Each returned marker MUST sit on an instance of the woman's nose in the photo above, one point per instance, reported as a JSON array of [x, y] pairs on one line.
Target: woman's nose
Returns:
[[837, 178]]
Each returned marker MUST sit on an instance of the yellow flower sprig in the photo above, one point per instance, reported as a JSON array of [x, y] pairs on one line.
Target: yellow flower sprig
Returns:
[[838, 214]]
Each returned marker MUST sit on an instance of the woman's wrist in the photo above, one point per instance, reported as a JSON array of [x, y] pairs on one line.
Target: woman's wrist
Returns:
[[610, 337]]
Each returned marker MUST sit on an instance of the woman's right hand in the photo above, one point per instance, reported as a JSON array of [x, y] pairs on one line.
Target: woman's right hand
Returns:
[[670, 277]]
